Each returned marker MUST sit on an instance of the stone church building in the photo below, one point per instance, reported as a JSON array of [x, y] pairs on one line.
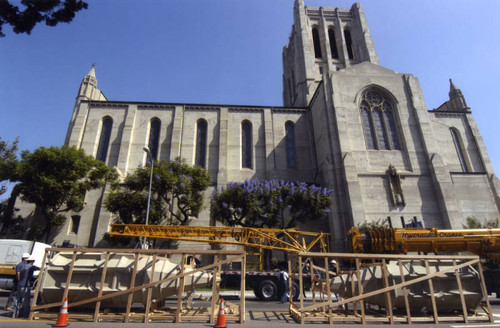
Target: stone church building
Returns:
[[347, 124]]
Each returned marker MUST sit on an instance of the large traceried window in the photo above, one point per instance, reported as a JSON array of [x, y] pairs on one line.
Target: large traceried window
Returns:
[[316, 43], [377, 114], [154, 137], [460, 151], [102, 149], [201, 143], [291, 155], [246, 144]]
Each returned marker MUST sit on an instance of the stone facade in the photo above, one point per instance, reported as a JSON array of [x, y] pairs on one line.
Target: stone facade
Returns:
[[358, 128]]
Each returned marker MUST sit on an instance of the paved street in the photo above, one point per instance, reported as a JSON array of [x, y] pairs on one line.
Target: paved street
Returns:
[[258, 314]]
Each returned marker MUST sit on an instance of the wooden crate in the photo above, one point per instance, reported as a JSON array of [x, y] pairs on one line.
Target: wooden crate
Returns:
[[327, 309], [183, 309]]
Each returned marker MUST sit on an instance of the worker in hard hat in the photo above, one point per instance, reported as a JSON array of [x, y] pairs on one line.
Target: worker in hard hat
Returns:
[[25, 284], [15, 289], [334, 270]]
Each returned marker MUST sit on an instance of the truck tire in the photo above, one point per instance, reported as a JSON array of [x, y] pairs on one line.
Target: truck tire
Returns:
[[295, 292], [267, 291]]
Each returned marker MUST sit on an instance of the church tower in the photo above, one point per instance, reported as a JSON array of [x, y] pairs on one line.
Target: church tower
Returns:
[[323, 40], [374, 141]]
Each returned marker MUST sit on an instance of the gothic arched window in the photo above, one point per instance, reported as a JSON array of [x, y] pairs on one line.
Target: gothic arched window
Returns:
[[102, 149], [316, 43], [377, 114], [246, 144], [348, 43], [154, 137], [333, 43], [460, 150], [291, 156], [201, 143]]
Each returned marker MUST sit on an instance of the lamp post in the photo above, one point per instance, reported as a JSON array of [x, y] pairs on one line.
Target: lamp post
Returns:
[[148, 152]]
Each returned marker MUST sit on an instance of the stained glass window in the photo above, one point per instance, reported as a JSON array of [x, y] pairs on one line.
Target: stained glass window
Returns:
[[393, 136], [154, 138], [379, 125], [201, 143], [246, 144], [369, 131], [74, 224], [378, 121], [102, 149], [291, 157]]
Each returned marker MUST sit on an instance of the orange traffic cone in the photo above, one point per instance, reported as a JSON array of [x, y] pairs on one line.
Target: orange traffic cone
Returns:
[[221, 318], [62, 320]]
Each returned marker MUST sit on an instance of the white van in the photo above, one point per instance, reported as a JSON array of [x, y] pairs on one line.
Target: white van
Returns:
[[11, 251]]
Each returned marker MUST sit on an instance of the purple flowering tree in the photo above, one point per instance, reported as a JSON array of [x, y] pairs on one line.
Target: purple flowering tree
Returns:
[[176, 194], [269, 204]]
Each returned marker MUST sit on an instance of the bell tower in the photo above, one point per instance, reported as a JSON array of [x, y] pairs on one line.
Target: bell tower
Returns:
[[323, 40]]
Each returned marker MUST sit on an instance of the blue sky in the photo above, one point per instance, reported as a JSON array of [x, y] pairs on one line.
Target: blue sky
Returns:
[[229, 52]]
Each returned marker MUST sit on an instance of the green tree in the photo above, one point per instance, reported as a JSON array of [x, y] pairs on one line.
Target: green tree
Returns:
[[472, 223], [176, 194], [269, 204], [33, 12], [56, 179], [8, 161], [372, 225]]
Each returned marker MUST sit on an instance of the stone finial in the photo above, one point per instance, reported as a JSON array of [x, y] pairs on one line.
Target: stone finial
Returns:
[[88, 87], [457, 100], [92, 71], [453, 88]]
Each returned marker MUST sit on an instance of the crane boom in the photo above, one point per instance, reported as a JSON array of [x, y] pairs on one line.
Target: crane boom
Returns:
[[482, 242], [290, 240]]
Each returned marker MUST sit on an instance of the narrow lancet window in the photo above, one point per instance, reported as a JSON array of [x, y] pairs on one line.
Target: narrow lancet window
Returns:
[[379, 125], [460, 151], [333, 43], [74, 224], [291, 156], [201, 143], [246, 145], [316, 43], [391, 126], [380, 129], [102, 149], [368, 126], [154, 137], [348, 43]]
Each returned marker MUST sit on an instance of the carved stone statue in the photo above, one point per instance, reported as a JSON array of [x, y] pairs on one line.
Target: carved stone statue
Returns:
[[398, 198]]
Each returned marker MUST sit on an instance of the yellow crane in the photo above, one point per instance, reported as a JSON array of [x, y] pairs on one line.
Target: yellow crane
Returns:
[[482, 242], [287, 240]]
